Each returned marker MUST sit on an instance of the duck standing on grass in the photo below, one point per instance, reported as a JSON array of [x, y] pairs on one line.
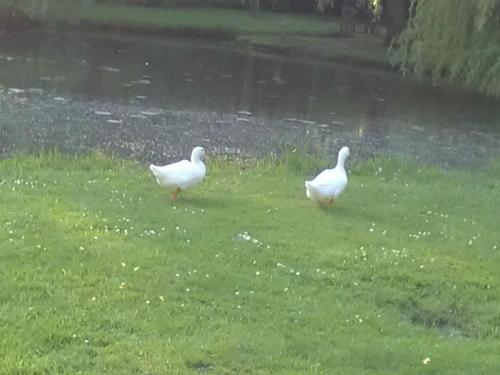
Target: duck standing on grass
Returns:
[[329, 184], [181, 175]]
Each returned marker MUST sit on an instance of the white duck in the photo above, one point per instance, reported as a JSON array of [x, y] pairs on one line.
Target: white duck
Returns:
[[329, 184], [181, 175]]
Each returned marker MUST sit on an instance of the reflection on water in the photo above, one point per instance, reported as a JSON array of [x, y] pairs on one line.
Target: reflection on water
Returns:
[[108, 91]]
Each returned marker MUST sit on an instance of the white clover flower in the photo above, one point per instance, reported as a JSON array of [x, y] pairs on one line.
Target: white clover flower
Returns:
[[244, 236]]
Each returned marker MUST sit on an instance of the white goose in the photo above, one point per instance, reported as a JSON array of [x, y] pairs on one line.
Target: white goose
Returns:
[[181, 175], [329, 184]]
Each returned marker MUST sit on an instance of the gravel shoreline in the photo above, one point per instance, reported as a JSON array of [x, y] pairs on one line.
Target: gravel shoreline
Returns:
[[36, 121]]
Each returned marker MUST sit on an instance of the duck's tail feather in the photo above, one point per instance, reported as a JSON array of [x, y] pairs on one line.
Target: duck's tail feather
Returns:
[[155, 170], [313, 191], [308, 189]]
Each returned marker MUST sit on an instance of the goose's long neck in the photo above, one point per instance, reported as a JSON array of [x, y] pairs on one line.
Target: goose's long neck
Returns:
[[341, 161], [197, 161]]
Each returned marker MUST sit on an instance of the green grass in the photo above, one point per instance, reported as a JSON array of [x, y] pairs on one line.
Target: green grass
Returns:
[[312, 35], [101, 273], [234, 22], [360, 49]]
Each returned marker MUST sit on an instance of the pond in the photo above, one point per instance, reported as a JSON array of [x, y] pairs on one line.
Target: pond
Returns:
[[152, 99]]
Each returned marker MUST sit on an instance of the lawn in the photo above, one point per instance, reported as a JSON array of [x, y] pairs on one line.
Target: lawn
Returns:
[[360, 49], [102, 273], [232, 22]]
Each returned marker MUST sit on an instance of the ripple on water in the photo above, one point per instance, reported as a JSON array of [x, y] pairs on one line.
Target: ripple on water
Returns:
[[152, 99]]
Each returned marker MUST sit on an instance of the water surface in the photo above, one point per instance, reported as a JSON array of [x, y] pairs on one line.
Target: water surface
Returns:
[[153, 99]]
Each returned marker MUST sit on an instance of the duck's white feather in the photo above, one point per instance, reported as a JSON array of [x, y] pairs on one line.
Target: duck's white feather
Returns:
[[329, 184], [183, 174]]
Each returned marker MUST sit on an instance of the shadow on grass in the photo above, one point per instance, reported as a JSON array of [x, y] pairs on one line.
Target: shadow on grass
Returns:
[[348, 212], [186, 199]]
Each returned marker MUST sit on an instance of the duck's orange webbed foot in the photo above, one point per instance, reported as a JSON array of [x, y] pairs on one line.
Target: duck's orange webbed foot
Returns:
[[328, 203], [174, 193]]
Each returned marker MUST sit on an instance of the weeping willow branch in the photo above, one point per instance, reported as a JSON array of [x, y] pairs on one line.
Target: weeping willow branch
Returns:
[[454, 40]]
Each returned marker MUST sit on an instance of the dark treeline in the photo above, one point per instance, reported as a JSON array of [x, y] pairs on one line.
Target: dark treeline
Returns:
[[302, 6], [394, 16]]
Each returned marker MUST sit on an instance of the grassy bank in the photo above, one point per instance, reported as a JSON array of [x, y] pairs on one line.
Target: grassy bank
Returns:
[[360, 49], [228, 22], [102, 274], [288, 33]]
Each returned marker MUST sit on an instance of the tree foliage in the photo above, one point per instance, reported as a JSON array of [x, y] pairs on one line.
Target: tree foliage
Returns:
[[47, 9], [322, 5], [453, 39]]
